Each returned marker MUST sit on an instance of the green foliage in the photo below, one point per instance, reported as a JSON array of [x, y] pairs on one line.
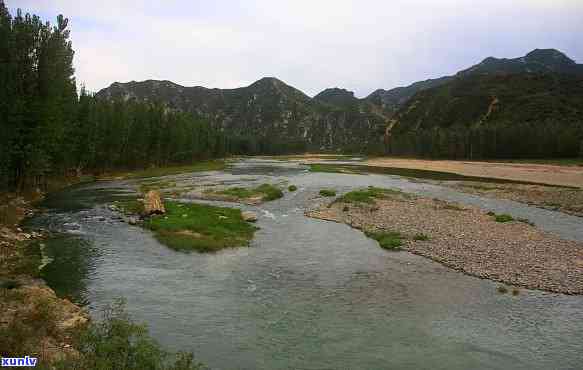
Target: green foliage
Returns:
[[292, 188], [204, 228], [368, 195], [503, 218], [328, 193], [49, 131], [269, 191], [215, 165], [116, 342], [266, 191], [520, 115], [390, 240]]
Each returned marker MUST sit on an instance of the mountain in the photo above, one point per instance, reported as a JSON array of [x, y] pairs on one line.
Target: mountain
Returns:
[[537, 61], [524, 107], [270, 116], [269, 113], [391, 100]]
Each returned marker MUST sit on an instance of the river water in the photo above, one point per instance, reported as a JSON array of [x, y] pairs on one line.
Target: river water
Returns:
[[308, 294]]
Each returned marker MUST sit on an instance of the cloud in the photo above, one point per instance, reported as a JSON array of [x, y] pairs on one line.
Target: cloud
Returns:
[[359, 45]]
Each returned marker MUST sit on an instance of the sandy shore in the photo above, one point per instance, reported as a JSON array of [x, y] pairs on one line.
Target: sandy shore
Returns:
[[539, 173], [469, 240]]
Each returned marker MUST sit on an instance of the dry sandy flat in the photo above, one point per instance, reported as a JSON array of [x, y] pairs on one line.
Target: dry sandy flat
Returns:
[[540, 173]]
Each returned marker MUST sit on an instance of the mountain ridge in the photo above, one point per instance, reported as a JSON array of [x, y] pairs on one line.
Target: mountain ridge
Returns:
[[335, 119]]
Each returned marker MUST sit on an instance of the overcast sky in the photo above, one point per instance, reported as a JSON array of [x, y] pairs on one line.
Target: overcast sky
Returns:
[[310, 44]]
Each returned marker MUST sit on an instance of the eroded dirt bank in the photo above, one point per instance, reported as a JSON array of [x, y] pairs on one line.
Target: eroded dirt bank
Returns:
[[33, 320], [469, 240]]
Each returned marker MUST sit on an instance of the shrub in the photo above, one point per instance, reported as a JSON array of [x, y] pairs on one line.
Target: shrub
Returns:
[[116, 342], [328, 193], [391, 240], [292, 188], [503, 218], [502, 289]]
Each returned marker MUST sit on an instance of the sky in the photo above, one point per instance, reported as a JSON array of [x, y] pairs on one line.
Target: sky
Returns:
[[359, 45]]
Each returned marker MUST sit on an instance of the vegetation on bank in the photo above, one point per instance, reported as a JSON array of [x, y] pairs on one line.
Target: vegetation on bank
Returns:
[[327, 193], [369, 194], [292, 188], [198, 227], [391, 240], [208, 165], [50, 131], [336, 168], [266, 192], [117, 342]]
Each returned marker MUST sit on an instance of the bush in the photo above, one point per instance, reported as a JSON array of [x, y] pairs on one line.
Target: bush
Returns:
[[116, 342], [292, 188], [328, 193], [503, 218], [502, 289], [387, 239]]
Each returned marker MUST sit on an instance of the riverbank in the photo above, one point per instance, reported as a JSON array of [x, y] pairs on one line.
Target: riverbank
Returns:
[[550, 174], [469, 240], [34, 320], [566, 200]]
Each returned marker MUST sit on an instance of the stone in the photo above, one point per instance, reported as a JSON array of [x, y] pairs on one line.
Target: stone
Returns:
[[249, 216]]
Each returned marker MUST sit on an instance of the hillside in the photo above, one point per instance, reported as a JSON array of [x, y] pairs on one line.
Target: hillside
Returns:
[[525, 94], [269, 115]]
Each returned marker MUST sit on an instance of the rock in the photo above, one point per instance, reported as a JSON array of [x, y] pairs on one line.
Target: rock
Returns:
[[249, 216], [153, 204], [132, 221]]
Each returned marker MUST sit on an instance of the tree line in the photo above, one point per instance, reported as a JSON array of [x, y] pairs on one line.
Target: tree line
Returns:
[[49, 129], [548, 139]]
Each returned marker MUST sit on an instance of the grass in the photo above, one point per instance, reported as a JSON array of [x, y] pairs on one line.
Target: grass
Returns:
[[328, 193], [215, 165], [334, 168], [503, 218], [266, 191], [131, 207], [156, 185], [421, 237], [292, 188], [368, 195], [200, 227], [390, 240]]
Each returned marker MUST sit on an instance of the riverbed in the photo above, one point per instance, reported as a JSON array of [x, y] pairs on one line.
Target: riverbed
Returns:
[[308, 294]]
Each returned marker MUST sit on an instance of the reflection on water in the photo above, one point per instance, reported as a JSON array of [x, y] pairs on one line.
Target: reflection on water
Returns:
[[310, 294]]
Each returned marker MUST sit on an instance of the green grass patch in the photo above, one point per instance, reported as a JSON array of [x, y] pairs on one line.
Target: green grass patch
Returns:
[[390, 240], [156, 185], [266, 191], [328, 193], [200, 227], [216, 165], [421, 237], [369, 194], [503, 218], [334, 168], [292, 188]]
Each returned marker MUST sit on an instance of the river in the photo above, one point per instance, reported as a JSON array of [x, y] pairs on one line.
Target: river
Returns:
[[308, 294]]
